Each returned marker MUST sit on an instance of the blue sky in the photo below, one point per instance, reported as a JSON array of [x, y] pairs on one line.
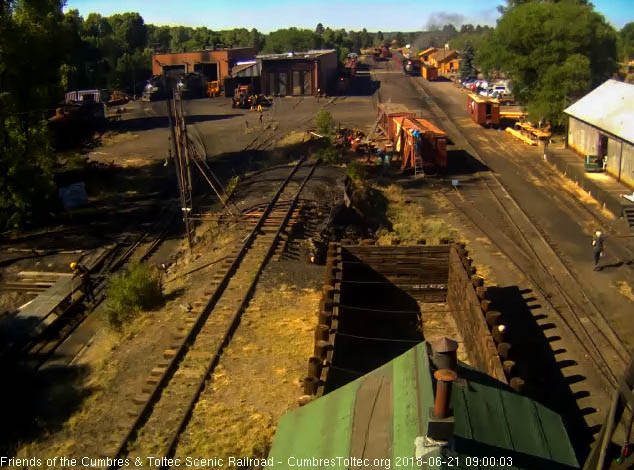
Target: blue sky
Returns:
[[267, 15]]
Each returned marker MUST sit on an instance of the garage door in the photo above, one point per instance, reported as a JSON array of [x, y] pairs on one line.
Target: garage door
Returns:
[[282, 83], [308, 89]]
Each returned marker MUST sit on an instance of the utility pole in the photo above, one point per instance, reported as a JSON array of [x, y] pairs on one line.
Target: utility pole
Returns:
[[176, 150]]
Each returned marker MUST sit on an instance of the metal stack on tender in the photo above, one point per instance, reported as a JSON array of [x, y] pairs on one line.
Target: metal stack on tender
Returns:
[[492, 337]]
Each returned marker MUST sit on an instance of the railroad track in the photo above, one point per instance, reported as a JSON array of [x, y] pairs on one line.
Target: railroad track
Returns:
[[569, 199], [527, 245], [519, 238], [261, 141], [161, 411], [40, 348]]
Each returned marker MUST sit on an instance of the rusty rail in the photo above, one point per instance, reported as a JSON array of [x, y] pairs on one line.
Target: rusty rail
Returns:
[[166, 369]]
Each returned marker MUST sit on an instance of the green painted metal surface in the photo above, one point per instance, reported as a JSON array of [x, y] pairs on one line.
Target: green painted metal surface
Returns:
[[413, 395], [495, 428], [320, 429]]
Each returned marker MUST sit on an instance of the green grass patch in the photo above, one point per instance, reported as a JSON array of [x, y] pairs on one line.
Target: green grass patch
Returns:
[[232, 184], [408, 222], [136, 289], [356, 171]]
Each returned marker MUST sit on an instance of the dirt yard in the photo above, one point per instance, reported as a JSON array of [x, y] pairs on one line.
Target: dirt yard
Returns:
[[100, 383]]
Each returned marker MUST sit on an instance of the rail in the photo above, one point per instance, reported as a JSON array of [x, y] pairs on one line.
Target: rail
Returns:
[[213, 332]]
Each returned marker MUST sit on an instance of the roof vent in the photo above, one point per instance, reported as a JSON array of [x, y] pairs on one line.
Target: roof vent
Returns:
[[444, 354], [440, 421]]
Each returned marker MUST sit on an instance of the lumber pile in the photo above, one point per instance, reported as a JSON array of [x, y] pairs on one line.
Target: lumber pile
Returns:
[[522, 137]]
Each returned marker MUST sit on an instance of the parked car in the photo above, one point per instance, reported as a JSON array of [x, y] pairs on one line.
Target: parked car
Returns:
[[467, 81], [501, 89], [476, 85]]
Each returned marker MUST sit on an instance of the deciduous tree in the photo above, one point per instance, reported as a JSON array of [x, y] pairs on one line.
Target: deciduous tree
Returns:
[[550, 51], [27, 88]]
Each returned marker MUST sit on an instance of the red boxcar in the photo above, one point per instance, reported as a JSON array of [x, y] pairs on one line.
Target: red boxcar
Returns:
[[417, 138], [484, 111]]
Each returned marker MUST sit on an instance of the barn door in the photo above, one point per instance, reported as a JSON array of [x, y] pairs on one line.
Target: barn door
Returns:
[[272, 88], [282, 83], [297, 82], [308, 89]]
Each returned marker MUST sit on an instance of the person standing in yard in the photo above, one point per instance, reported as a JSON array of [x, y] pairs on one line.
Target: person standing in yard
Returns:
[[84, 277], [598, 248]]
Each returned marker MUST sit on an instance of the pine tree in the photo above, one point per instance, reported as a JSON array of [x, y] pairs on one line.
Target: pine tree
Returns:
[[467, 64]]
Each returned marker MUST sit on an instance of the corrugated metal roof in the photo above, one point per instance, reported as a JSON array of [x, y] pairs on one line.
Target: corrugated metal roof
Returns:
[[312, 54], [251, 69], [216, 49], [380, 415], [609, 107]]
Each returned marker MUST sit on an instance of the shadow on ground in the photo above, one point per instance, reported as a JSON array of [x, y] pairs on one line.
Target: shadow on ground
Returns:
[[118, 197], [538, 364], [359, 85], [34, 404], [461, 162], [161, 122]]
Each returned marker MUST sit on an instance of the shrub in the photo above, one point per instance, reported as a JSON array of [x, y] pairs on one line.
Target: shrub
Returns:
[[330, 154], [325, 123], [356, 171], [138, 288]]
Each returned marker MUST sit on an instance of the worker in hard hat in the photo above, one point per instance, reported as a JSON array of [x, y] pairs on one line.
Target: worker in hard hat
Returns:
[[84, 277], [598, 248]]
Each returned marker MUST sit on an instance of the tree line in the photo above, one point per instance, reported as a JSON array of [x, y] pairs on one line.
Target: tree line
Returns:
[[45, 51], [554, 52], [115, 51]]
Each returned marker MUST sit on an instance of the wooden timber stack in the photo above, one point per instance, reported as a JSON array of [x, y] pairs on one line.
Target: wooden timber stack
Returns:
[[482, 327], [368, 313], [319, 363]]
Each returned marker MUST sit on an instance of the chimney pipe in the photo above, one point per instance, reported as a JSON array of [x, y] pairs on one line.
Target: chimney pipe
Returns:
[[444, 378], [445, 354]]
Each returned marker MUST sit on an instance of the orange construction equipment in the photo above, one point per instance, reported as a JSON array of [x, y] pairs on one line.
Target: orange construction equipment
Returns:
[[429, 72], [484, 111], [422, 145], [213, 88]]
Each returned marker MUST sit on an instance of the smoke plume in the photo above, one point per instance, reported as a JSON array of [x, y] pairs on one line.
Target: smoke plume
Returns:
[[438, 19]]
